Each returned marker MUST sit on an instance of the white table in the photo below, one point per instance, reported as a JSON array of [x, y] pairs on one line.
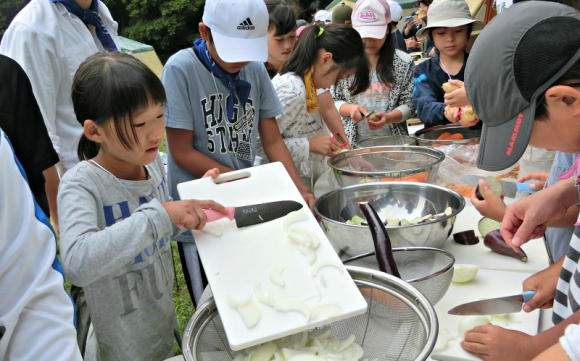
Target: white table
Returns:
[[477, 254]]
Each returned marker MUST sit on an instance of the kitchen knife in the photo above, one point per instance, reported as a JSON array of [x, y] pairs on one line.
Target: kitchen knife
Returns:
[[254, 213], [509, 188], [493, 306]]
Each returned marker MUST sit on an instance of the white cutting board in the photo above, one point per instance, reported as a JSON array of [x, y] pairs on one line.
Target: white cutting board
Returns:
[[487, 284], [239, 257], [483, 257]]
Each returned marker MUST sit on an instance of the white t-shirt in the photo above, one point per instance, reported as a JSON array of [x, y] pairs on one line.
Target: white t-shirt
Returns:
[[50, 43]]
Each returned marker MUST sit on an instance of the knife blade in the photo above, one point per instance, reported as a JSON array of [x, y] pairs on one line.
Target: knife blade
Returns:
[[494, 306], [252, 214], [509, 188]]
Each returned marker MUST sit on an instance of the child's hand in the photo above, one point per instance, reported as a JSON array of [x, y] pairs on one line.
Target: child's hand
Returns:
[[544, 283], [451, 114], [358, 112], [378, 124], [189, 213], [469, 124], [541, 177], [214, 173], [411, 43], [496, 343], [492, 207], [324, 145], [458, 97]]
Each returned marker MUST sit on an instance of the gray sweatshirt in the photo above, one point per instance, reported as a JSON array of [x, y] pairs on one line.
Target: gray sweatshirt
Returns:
[[120, 253]]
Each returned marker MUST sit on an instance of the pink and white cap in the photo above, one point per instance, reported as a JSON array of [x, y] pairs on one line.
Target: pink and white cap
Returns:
[[371, 18]]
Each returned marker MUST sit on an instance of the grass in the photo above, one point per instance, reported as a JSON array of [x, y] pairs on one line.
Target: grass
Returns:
[[181, 301]]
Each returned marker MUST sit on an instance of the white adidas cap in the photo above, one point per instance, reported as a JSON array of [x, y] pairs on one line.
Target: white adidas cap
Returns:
[[239, 29]]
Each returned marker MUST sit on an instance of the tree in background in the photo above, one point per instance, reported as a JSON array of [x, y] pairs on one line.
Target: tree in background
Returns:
[[167, 25]]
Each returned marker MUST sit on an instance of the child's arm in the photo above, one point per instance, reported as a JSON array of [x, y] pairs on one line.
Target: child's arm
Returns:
[[429, 110], [90, 250], [276, 150], [180, 143], [330, 115], [555, 353]]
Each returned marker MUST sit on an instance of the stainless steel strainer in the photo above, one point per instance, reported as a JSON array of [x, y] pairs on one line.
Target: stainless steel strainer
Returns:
[[429, 270], [400, 323]]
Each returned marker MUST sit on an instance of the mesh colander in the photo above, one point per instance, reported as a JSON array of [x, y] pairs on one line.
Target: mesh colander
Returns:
[[399, 324], [429, 270]]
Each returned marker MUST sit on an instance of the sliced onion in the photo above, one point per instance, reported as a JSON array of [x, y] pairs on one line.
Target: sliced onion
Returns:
[[309, 253], [469, 322], [215, 230], [307, 236], [321, 280], [293, 305], [441, 344], [294, 217], [330, 309], [314, 268], [262, 296], [248, 310], [276, 276], [264, 352]]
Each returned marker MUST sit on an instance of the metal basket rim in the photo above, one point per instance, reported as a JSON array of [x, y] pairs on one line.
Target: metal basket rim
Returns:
[[362, 275], [398, 249], [432, 152]]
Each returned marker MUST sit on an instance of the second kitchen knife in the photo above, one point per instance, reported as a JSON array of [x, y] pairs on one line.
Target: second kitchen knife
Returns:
[[510, 189], [494, 306], [255, 213]]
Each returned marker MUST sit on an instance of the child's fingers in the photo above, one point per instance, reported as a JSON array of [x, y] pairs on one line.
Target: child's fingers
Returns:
[[209, 204]]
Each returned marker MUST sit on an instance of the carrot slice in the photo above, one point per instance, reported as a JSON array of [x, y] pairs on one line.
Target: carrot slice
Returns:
[[456, 136], [444, 136]]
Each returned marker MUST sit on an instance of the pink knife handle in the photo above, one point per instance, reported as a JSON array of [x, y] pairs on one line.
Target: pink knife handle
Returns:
[[215, 215]]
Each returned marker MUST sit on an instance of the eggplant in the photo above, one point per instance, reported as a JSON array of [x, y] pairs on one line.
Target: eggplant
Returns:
[[494, 241], [486, 225], [493, 184], [466, 238], [383, 247]]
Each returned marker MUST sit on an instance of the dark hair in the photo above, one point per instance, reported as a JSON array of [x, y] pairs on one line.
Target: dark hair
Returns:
[[424, 2], [385, 63], [346, 47], [572, 74], [282, 16], [315, 6], [113, 86], [469, 29]]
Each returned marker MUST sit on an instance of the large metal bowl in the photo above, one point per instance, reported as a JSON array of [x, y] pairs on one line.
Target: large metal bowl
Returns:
[[386, 140], [430, 270], [428, 136], [386, 163], [403, 200]]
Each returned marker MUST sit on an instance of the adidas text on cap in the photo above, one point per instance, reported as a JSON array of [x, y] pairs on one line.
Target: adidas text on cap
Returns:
[[534, 43], [239, 29]]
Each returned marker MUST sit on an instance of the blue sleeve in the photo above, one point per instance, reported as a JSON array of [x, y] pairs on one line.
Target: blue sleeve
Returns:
[[429, 110]]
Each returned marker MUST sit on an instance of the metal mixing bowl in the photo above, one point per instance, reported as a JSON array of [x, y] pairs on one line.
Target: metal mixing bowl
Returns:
[[386, 140], [402, 200], [387, 163], [399, 324], [428, 136], [429, 270]]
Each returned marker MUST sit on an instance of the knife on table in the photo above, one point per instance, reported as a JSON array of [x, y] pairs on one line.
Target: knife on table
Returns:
[[509, 188], [252, 214], [494, 306]]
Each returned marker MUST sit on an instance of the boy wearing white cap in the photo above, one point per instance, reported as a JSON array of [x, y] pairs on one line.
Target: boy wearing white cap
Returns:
[[528, 93], [449, 26], [219, 100]]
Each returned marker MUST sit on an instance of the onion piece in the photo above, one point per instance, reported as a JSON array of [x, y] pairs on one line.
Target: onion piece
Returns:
[[293, 305], [294, 217], [248, 310], [309, 238], [276, 275], [330, 309], [309, 253], [321, 280], [314, 268], [262, 296], [441, 344], [215, 230], [264, 352], [469, 322]]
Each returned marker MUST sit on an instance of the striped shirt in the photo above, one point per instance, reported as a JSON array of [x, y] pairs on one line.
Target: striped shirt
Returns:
[[567, 297]]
